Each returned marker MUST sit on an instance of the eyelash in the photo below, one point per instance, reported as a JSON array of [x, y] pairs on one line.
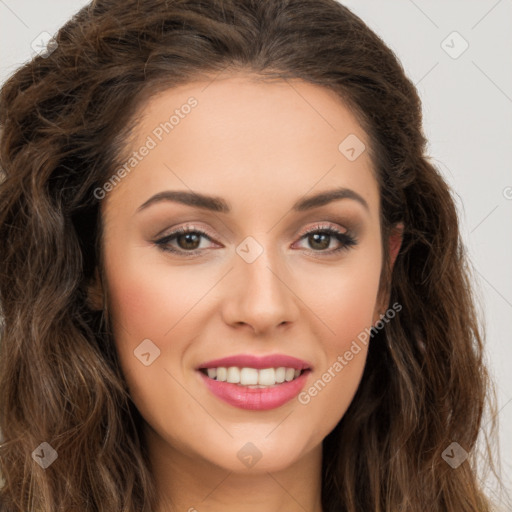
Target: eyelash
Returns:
[[346, 239]]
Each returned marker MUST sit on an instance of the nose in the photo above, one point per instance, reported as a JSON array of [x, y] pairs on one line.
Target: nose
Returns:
[[259, 294]]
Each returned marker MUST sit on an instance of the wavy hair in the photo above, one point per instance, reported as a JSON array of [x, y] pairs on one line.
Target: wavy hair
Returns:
[[65, 119]]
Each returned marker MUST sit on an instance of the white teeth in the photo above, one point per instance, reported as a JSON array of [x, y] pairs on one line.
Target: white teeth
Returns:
[[233, 375], [267, 377], [280, 374], [248, 376], [253, 377]]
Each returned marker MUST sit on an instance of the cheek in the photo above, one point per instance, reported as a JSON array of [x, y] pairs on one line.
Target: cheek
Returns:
[[136, 299], [142, 306], [145, 303], [344, 298], [332, 387], [150, 299], [329, 394], [147, 297], [346, 304]]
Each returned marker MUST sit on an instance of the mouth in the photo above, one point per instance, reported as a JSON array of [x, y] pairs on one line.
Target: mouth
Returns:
[[256, 383], [253, 378]]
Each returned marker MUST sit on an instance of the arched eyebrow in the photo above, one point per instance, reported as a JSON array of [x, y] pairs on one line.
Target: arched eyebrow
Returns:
[[220, 205], [328, 196]]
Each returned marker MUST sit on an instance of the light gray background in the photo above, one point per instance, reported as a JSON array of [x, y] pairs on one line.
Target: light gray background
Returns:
[[467, 105]]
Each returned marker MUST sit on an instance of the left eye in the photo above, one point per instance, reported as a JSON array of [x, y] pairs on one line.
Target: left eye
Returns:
[[189, 240], [321, 239]]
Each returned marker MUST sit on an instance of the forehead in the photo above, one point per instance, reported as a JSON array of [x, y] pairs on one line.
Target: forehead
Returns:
[[286, 135], [249, 104]]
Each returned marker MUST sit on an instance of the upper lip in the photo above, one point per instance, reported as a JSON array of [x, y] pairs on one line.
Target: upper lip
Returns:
[[258, 362]]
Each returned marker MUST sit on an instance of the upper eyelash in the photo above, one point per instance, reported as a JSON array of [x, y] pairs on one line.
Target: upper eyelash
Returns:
[[346, 238]]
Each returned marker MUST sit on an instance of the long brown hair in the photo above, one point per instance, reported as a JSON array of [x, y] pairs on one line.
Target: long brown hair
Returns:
[[65, 118]]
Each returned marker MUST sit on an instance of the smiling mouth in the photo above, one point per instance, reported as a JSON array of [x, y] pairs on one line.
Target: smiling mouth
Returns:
[[252, 377]]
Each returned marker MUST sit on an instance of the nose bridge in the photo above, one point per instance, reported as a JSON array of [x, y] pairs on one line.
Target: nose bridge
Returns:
[[260, 296]]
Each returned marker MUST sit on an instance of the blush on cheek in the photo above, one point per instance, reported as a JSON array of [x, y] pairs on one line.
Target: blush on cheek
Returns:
[[131, 306], [353, 312], [134, 299]]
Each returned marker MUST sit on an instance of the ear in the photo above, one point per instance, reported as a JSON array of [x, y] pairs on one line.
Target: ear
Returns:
[[394, 243], [95, 292]]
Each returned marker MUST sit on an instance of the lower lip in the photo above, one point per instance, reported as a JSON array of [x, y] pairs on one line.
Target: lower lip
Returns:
[[256, 399]]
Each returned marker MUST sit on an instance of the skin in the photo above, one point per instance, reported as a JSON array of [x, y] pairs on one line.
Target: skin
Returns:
[[261, 147]]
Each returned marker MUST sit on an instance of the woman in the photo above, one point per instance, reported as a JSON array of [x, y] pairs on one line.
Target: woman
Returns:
[[230, 277]]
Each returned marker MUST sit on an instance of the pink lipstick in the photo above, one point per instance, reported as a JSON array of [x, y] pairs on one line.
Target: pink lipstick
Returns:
[[255, 382]]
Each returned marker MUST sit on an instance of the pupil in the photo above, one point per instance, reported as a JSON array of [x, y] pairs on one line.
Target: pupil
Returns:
[[188, 237], [316, 236]]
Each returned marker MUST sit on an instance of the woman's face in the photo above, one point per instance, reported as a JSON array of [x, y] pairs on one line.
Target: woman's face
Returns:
[[243, 166]]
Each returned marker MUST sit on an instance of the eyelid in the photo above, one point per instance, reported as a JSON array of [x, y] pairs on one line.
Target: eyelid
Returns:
[[319, 226], [343, 235], [186, 227]]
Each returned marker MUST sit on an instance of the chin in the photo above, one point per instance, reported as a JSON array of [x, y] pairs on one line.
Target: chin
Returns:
[[263, 451]]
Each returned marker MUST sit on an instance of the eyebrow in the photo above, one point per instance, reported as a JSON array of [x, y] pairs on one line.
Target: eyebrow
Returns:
[[217, 204]]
